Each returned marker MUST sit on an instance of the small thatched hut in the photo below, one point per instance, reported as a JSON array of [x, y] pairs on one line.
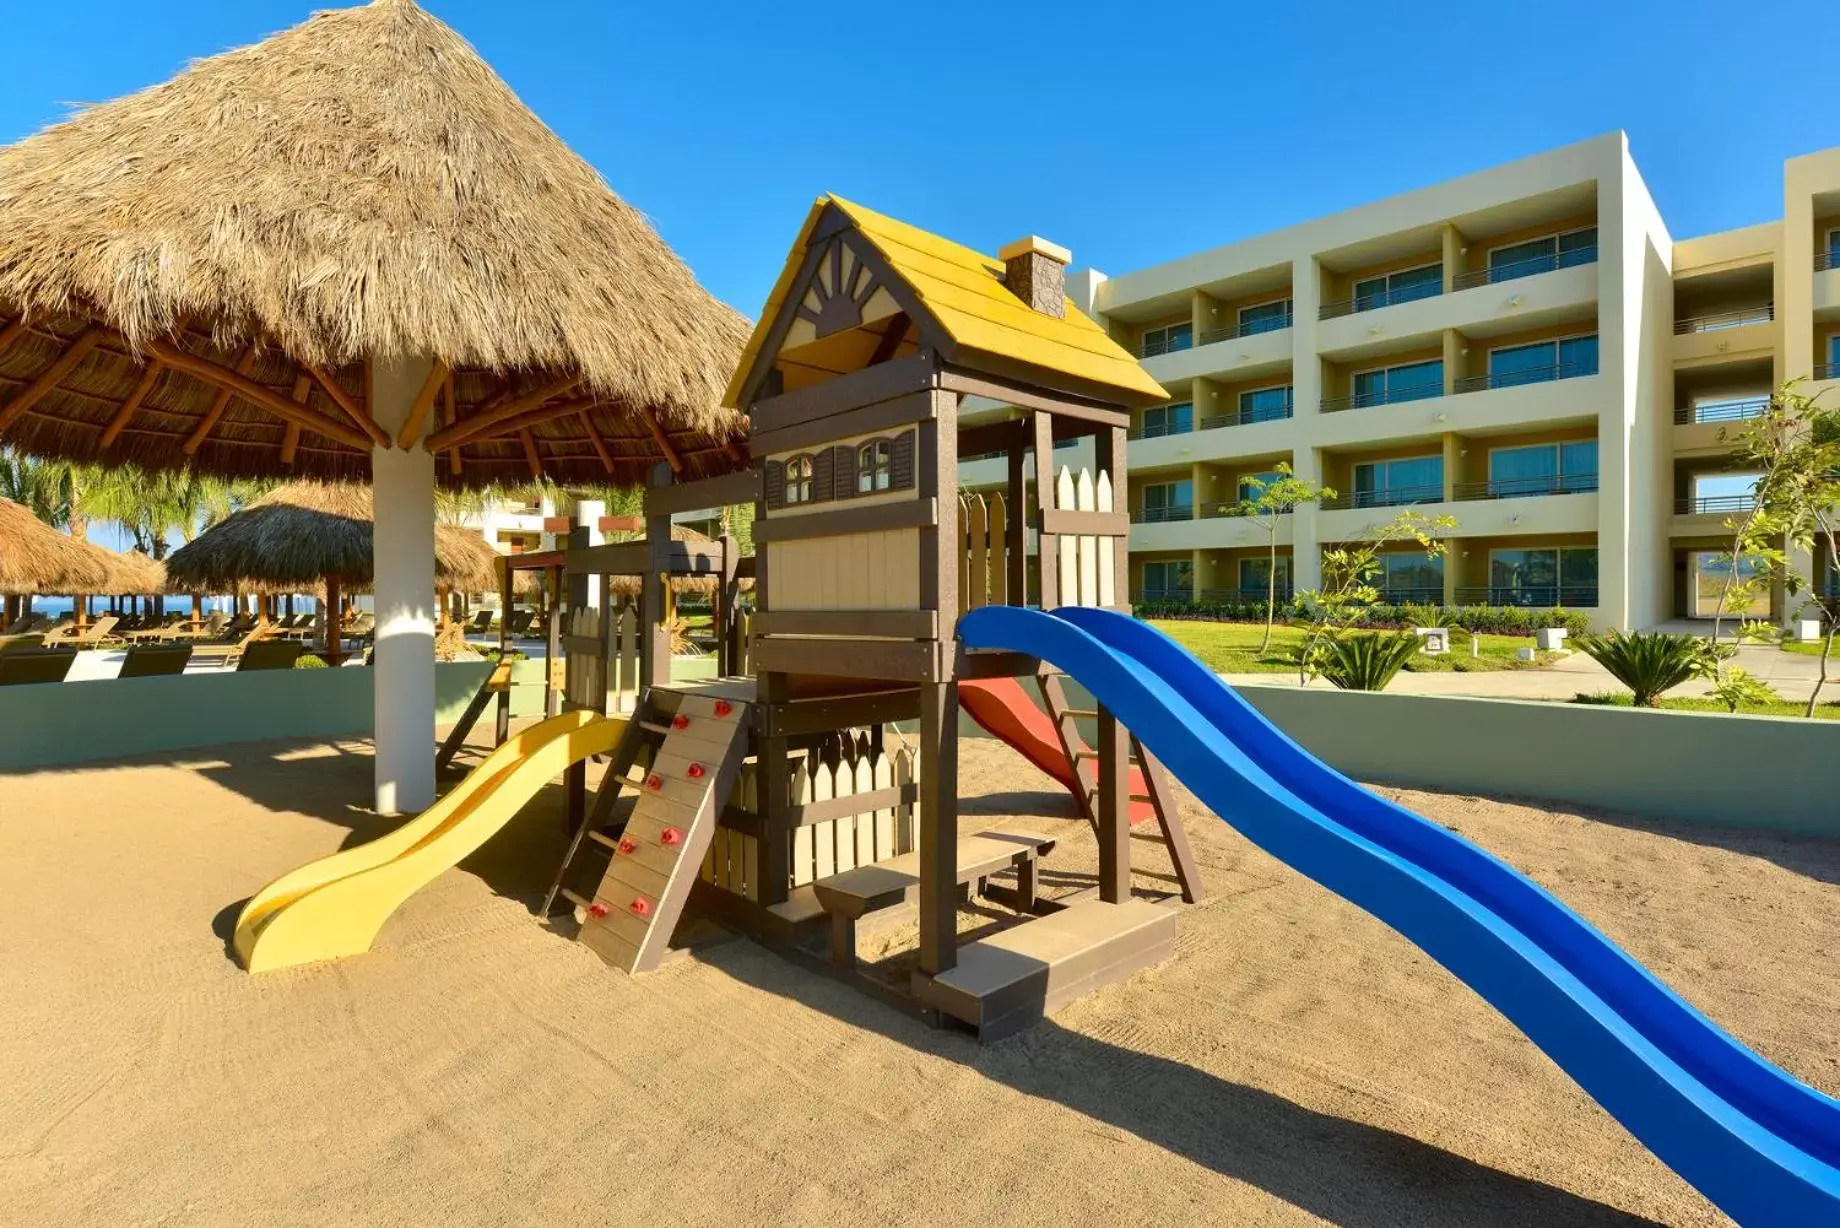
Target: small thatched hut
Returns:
[[37, 559]]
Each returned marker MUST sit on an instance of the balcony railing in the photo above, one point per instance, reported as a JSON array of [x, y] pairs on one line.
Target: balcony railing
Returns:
[[1157, 432], [1153, 346], [1249, 328], [1709, 504], [1242, 417], [1397, 496], [1542, 596], [1385, 298], [1520, 488], [1229, 511], [1827, 370], [1724, 411], [1713, 322], [1398, 594], [1182, 595], [1825, 260], [1161, 515], [1389, 396], [1529, 375], [1530, 267], [1247, 595]]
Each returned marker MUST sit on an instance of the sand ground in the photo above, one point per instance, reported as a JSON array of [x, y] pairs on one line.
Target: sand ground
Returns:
[[1296, 1063]]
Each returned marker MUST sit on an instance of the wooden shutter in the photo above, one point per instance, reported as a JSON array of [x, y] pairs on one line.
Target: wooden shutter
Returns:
[[822, 472], [901, 469], [776, 484], [845, 475]]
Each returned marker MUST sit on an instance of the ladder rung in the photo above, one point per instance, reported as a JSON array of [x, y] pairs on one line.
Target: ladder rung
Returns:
[[1086, 752], [601, 837], [577, 900], [1142, 797], [1079, 711], [655, 727]]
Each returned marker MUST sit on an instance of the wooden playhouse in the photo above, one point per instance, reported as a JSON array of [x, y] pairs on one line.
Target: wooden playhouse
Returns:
[[775, 800]]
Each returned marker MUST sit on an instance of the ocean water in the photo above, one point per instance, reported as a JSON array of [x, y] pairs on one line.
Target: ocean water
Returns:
[[63, 605]]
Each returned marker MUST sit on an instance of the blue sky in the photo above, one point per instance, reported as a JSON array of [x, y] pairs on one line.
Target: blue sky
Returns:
[[1129, 136]]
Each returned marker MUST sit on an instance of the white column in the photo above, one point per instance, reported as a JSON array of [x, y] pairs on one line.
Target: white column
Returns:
[[403, 554], [588, 513]]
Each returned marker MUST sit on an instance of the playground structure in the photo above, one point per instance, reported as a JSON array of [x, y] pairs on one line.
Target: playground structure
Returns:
[[774, 801]]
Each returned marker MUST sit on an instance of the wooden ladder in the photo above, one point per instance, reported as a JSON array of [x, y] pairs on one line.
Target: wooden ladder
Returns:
[[1157, 788], [495, 682], [606, 819], [660, 843]]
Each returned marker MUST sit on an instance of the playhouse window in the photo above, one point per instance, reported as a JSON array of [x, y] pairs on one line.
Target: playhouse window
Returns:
[[874, 466], [798, 480]]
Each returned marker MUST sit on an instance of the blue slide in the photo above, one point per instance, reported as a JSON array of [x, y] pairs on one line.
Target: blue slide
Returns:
[[1758, 1143]]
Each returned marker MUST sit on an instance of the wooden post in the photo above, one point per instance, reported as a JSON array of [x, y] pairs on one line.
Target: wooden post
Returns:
[[1018, 526], [1114, 810], [335, 628], [552, 646], [1110, 449], [938, 842], [774, 766], [1047, 545], [654, 606], [722, 606]]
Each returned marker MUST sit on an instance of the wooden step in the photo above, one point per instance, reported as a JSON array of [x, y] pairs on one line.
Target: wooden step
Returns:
[[1008, 981]]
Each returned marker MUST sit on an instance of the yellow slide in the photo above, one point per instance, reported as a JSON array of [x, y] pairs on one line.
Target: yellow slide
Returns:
[[333, 907]]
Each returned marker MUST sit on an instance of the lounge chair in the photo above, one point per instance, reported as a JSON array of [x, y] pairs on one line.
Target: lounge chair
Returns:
[[226, 654], [155, 660], [480, 623], [35, 665], [520, 624], [21, 643], [99, 634], [270, 654], [361, 628]]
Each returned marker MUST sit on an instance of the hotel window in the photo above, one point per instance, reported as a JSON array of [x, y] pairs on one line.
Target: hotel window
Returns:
[[1410, 576], [1544, 469], [1543, 255], [1169, 581], [1712, 580], [1543, 577], [1264, 318], [1253, 573], [1410, 382], [1833, 355], [1833, 249], [874, 466], [1169, 501], [1167, 339], [1543, 360], [1397, 483], [1265, 480], [1177, 419], [1401, 287], [1265, 404], [798, 480]]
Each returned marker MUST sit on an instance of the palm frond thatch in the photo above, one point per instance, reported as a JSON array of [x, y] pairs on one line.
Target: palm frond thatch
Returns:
[[35, 558], [360, 187], [294, 537]]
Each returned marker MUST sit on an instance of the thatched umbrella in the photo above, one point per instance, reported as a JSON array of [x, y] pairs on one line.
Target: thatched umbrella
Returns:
[[299, 257], [309, 535], [35, 558]]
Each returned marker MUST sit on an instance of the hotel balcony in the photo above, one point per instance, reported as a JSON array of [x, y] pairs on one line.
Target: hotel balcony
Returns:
[[1709, 496], [1527, 488], [1235, 351], [1827, 282], [1208, 526], [1531, 596], [1728, 335]]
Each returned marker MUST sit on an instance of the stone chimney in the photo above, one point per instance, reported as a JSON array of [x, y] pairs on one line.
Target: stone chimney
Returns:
[[1035, 271]]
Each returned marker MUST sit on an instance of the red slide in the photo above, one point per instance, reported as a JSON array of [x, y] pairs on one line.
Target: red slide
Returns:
[[1005, 711]]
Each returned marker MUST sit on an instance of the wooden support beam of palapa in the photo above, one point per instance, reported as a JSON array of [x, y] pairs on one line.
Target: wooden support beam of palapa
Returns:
[[290, 443], [531, 455], [119, 422], [476, 426], [10, 333], [256, 394], [664, 441], [52, 375], [359, 414], [594, 437], [535, 417], [423, 405], [212, 416]]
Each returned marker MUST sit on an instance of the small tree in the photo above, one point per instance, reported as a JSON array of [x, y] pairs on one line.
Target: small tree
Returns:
[[1283, 494], [1348, 591]]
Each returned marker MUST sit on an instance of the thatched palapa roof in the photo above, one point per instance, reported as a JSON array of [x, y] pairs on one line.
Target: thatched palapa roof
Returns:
[[36, 558], [294, 537], [201, 273]]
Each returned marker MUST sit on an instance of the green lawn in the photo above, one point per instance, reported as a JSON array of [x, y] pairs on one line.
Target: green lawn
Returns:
[[1781, 707], [1808, 650], [1233, 648]]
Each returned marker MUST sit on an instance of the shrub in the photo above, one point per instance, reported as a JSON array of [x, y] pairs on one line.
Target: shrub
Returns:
[[307, 660], [1366, 662], [1739, 687], [1650, 662], [1478, 619]]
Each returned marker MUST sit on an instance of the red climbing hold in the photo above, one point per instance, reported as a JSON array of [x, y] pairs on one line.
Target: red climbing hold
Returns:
[[680, 721], [723, 707], [654, 782], [597, 910], [671, 836], [627, 846], [695, 771], [641, 906]]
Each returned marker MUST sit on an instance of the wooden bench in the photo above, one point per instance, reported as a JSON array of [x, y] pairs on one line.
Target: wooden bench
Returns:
[[853, 894]]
